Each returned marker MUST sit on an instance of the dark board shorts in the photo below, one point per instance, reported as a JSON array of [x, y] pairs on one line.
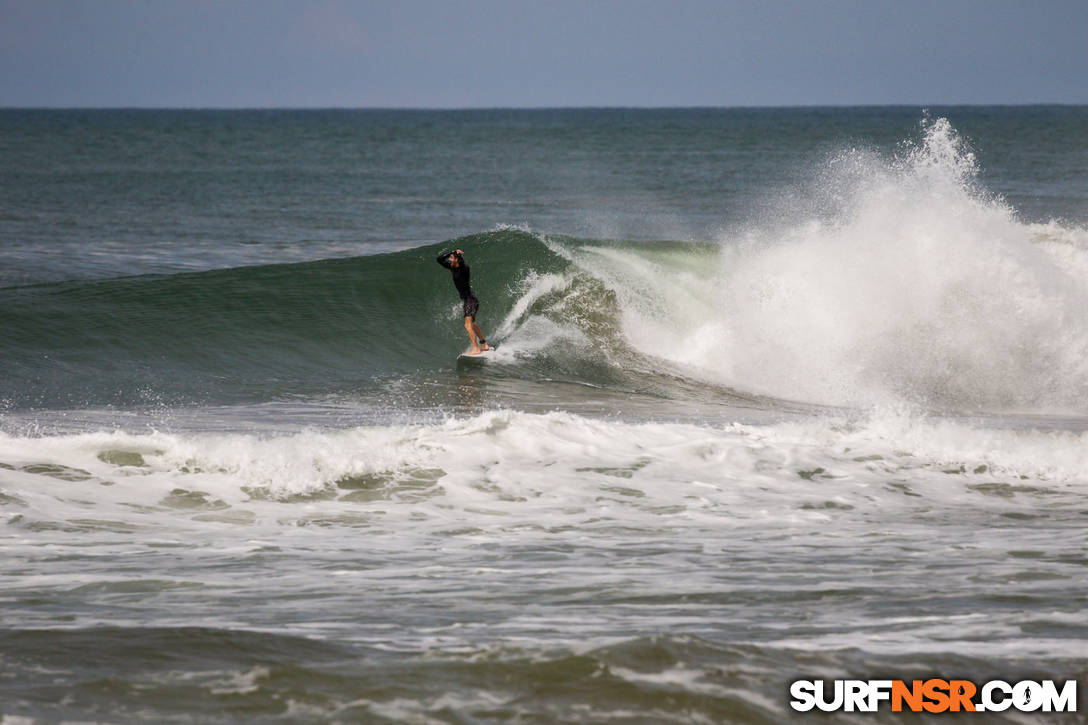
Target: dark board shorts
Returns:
[[470, 305]]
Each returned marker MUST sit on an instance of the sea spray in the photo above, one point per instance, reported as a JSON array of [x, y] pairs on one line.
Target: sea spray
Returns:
[[906, 282]]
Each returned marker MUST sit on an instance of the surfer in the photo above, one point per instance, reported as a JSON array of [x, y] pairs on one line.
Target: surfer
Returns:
[[455, 262]]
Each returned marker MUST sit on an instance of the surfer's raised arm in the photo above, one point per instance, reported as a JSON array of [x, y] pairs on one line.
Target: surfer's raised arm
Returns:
[[446, 258]]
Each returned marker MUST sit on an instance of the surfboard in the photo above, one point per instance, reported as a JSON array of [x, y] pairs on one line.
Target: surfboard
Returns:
[[467, 355]]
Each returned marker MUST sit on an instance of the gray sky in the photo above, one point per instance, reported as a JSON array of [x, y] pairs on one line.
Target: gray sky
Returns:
[[487, 53]]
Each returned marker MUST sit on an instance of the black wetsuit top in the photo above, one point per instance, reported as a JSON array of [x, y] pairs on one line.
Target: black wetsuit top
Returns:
[[460, 273]]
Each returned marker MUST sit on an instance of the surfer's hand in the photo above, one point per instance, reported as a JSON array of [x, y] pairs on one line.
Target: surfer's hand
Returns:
[[459, 252]]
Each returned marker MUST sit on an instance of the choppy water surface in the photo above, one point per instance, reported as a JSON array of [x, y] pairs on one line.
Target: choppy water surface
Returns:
[[778, 395]]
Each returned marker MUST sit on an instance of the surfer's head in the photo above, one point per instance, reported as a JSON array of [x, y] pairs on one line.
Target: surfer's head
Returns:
[[455, 260]]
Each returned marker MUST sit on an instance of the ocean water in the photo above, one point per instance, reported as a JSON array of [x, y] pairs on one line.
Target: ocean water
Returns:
[[779, 394]]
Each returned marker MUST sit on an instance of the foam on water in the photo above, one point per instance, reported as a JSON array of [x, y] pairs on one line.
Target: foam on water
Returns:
[[888, 280], [504, 460], [555, 531], [521, 539]]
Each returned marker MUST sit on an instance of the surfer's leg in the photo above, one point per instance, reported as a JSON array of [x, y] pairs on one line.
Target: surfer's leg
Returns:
[[480, 336], [469, 325]]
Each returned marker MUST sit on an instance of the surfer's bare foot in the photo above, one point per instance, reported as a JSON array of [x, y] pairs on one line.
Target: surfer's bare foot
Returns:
[[485, 347], [475, 351]]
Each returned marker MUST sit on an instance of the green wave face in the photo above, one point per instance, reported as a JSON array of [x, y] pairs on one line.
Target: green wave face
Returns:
[[814, 318], [256, 332]]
